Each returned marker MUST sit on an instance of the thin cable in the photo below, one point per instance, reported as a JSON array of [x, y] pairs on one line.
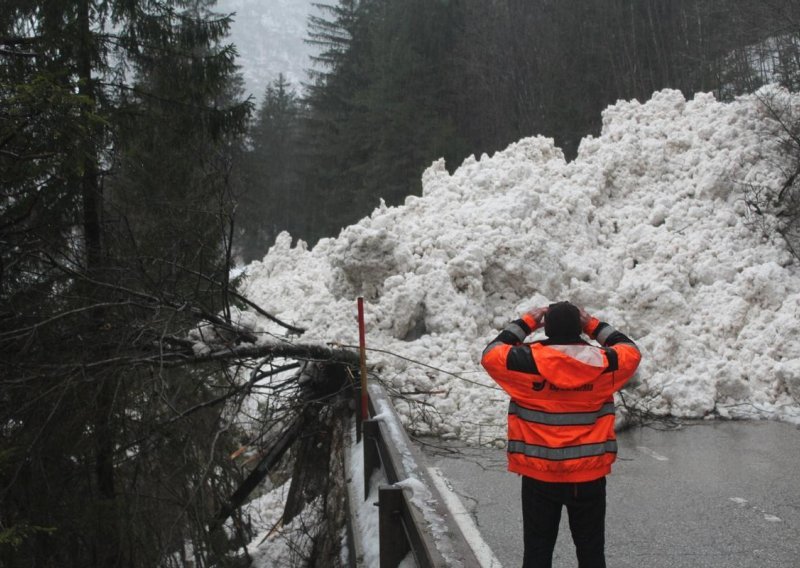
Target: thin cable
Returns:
[[420, 363]]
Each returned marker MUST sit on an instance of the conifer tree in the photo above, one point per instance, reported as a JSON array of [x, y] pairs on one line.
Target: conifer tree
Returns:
[[273, 198], [117, 119], [333, 144], [409, 99], [380, 110]]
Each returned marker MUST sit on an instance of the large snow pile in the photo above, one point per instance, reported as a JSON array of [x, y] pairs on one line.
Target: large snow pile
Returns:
[[647, 229]]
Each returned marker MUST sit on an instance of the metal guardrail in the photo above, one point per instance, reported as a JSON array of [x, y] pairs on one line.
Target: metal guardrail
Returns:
[[426, 530]]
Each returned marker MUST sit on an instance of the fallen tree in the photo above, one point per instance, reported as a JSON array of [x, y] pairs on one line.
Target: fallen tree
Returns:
[[125, 405]]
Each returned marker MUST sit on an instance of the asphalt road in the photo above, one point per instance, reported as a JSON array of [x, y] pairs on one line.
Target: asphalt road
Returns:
[[710, 494]]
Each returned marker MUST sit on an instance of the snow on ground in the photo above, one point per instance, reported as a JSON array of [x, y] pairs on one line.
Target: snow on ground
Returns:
[[277, 544], [647, 229]]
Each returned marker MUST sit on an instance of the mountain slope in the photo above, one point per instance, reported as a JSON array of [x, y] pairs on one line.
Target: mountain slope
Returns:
[[270, 40]]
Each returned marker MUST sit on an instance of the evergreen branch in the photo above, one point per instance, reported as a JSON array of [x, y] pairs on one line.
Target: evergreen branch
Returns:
[[175, 359], [207, 109], [292, 328], [156, 301], [19, 40], [16, 333], [245, 387], [26, 157], [13, 53], [303, 352], [226, 50]]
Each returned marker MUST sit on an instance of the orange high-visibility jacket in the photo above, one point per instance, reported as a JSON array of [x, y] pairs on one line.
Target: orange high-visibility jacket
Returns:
[[561, 415]]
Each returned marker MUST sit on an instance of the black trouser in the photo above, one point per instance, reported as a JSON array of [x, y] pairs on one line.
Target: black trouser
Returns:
[[541, 513]]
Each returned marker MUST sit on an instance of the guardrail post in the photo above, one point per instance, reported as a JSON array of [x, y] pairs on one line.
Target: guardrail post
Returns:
[[393, 540], [372, 456], [403, 527], [359, 418], [362, 410]]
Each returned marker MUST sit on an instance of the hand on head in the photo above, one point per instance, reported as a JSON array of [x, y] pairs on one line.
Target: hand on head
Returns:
[[585, 317], [537, 314]]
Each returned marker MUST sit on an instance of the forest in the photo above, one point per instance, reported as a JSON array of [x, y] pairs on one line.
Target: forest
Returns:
[[135, 176], [399, 84]]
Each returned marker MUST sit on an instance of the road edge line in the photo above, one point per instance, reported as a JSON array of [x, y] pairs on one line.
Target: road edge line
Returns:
[[463, 519]]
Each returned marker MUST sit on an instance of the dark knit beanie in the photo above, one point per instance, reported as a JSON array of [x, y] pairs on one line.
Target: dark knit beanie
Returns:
[[562, 322]]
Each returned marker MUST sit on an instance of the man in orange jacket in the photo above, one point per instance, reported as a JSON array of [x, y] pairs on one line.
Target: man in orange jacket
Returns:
[[561, 423]]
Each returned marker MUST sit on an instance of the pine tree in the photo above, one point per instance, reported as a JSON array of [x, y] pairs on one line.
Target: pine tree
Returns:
[[381, 109], [333, 144], [410, 98], [118, 121], [273, 200]]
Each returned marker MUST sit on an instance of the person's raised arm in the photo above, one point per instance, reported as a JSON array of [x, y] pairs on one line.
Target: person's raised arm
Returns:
[[622, 353], [505, 358]]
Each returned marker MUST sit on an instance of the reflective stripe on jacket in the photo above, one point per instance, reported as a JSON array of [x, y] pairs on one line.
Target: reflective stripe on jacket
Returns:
[[561, 415]]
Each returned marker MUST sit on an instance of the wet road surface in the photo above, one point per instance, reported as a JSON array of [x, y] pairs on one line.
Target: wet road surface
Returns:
[[709, 494]]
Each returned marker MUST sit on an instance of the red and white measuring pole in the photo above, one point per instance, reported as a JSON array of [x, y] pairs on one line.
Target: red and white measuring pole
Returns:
[[362, 348]]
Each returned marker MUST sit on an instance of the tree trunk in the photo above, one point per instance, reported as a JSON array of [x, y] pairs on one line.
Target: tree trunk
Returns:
[[107, 537], [89, 181], [319, 472]]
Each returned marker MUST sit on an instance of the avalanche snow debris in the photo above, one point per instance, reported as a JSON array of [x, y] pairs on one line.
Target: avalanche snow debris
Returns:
[[646, 228]]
